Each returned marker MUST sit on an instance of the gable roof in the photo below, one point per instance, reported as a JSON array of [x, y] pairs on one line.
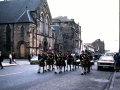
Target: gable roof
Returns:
[[55, 20], [15, 11], [25, 17]]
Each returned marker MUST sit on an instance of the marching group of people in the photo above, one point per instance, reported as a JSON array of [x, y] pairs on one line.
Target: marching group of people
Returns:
[[63, 62]]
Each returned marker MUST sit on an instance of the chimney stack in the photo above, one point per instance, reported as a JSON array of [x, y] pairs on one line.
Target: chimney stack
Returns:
[[72, 19]]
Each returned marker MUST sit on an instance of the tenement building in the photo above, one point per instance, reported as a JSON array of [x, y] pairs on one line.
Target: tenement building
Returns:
[[70, 41], [99, 46], [25, 27]]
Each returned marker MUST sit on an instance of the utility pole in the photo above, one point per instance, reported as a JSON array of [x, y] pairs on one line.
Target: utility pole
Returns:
[[119, 29]]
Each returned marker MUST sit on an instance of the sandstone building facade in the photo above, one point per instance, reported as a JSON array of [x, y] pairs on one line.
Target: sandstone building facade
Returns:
[[71, 34], [99, 46], [25, 27]]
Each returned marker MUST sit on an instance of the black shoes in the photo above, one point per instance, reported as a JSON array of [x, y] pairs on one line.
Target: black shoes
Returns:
[[84, 72], [48, 70], [81, 73], [38, 72], [55, 72], [60, 72], [45, 71]]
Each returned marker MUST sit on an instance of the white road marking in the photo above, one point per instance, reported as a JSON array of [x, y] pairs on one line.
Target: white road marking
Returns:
[[10, 74]]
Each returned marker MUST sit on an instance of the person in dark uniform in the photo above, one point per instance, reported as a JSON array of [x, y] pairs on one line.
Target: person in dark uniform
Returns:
[[83, 63], [1, 59], [29, 57], [74, 61], [57, 63], [13, 57], [88, 59], [69, 61], [41, 58], [77, 58], [63, 64], [48, 62]]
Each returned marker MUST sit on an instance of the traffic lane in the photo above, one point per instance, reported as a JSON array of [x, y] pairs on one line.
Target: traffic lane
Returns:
[[96, 80], [24, 76], [28, 79]]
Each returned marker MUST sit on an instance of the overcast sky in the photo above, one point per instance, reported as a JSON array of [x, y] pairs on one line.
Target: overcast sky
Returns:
[[99, 19]]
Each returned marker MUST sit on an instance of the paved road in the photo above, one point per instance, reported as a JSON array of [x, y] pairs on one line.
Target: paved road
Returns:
[[25, 77]]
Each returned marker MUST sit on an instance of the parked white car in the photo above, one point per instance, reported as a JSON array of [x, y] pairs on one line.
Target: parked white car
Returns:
[[105, 62], [34, 60]]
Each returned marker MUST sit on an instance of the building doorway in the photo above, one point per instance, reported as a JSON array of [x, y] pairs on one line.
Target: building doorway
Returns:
[[22, 50]]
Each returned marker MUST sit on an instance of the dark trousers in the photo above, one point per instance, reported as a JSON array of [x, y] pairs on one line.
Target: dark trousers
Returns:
[[1, 64], [10, 60]]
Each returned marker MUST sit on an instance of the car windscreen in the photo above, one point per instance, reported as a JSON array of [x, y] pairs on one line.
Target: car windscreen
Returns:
[[106, 58]]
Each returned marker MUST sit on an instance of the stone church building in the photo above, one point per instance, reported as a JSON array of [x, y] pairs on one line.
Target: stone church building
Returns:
[[25, 27]]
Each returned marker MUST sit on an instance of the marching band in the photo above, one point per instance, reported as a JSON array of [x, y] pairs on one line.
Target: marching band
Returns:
[[63, 62]]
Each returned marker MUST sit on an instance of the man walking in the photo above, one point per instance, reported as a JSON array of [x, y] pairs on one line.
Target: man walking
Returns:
[[83, 63], [1, 59], [10, 57], [13, 58]]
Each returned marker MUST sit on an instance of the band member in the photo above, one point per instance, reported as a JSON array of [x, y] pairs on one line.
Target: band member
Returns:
[[88, 59], [57, 63], [69, 61], [63, 64], [73, 61], [49, 61], [41, 58], [77, 58], [83, 63], [45, 61]]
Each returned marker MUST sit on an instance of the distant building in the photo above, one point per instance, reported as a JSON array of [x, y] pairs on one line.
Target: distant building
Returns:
[[107, 51], [71, 33], [89, 46], [99, 46]]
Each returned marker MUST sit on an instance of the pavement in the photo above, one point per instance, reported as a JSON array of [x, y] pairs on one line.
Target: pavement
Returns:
[[115, 82], [6, 63], [113, 85]]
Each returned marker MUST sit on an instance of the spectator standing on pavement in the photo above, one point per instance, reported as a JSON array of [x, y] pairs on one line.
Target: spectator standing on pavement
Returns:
[[1, 59], [29, 57], [13, 57], [10, 57], [116, 60], [118, 64]]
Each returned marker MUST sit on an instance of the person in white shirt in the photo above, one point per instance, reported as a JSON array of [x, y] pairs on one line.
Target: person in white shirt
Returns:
[[10, 57]]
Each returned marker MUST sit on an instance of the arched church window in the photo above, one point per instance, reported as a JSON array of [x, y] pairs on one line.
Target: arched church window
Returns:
[[8, 38], [22, 31], [46, 26], [41, 24]]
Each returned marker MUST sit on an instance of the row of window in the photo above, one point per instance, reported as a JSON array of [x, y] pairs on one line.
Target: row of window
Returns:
[[42, 25]]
